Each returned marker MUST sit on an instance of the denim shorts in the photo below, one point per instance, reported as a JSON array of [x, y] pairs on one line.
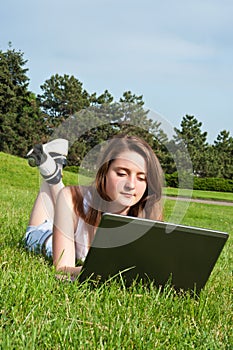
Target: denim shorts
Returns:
[[39, 238]]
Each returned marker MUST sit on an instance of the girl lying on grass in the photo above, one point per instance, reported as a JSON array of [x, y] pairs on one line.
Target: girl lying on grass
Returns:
[[63, 220]]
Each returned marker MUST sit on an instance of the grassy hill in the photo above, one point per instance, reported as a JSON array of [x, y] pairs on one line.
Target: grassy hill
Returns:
[[40, 312]]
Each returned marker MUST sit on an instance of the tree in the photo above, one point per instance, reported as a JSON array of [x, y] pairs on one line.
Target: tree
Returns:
[[103, 99], [223, 148], [195, 141], [89, 128], [62, 97], [20, 119]]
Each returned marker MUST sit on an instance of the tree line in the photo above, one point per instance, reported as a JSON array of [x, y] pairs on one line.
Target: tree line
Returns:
[[65, 108]]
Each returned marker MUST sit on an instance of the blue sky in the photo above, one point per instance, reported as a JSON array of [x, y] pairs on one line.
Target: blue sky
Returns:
[[177, 54]]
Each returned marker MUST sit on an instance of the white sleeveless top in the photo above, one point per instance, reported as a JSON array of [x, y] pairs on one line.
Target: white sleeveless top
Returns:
[[81, 240], [81, 234]]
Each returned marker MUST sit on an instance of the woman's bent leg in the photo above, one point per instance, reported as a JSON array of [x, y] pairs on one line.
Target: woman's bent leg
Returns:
[[50, 159], [44, 205]]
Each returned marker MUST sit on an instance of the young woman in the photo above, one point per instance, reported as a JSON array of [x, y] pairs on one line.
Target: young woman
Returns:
[[63, 221]]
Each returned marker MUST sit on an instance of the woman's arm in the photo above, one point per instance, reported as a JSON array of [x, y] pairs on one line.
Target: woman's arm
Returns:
[[65, 223]]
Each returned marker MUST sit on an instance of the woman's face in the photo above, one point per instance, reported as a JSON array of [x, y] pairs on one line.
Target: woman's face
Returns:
[[126, 181]]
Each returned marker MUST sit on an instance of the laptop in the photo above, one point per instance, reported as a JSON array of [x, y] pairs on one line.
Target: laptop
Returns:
[[146, 250]]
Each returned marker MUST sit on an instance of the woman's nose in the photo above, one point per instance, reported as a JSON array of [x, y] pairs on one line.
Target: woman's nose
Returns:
[[130, 183]]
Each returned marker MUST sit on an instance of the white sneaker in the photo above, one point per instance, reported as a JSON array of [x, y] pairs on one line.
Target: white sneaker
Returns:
[[58, 150], [50, 159]]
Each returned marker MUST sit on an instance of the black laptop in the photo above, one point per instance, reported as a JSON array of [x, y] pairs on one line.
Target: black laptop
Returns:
[[141, 249]]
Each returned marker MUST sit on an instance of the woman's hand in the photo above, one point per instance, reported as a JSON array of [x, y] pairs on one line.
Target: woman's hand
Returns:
[[68, 273]]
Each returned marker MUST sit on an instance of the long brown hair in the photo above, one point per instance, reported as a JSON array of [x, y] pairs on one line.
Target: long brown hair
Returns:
[[149, 206]]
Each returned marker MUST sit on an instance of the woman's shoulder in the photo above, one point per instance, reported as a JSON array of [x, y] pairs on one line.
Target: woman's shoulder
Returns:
[[76, 192]]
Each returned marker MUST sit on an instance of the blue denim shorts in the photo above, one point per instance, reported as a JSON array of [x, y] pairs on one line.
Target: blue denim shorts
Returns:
[[39, 238]]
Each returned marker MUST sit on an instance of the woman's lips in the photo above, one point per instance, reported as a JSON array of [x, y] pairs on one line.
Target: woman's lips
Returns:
[[128, 195]]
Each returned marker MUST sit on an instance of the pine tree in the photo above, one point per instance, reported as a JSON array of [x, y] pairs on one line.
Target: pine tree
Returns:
[[62, 97], [195, 142], [20, 121], [223, 148]]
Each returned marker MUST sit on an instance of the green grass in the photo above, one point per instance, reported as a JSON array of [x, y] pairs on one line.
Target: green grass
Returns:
[[40, 312], [208, 195]]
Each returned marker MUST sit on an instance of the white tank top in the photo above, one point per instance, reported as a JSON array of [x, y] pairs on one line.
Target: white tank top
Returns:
[[81, 234], [81, 240]]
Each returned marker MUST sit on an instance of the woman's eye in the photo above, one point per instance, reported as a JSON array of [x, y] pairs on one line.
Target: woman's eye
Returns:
[[141, 179], [121, 174]]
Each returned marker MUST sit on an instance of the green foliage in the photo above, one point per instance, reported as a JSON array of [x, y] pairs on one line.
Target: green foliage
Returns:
[[213, 184], [195, 141], [62, 97], [89, 128], [207, 160], [65, 109], [103, 99], [21, 123], [223, 148], [198, 183], [38, 311], [172, 180]]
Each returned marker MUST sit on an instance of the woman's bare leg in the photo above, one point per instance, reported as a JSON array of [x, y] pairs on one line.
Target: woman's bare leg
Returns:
[[50, 159], [44, 204]]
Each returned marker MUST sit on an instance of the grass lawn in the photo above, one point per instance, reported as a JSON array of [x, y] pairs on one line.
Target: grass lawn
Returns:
[[40, 312], [208, 195]]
